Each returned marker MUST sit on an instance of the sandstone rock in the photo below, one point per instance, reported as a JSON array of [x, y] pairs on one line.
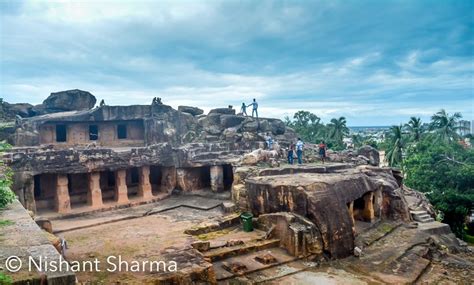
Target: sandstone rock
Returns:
[[259, 155], [232, 134], [234, 242], [10, 111], [71, 100], [278, 127], [214, 118], [297, 234], [309, 194], [371, 153], [44, 224], [250, 126], [213, 130], [227, 111], [228, 121], [191, 110], [191, 265], [229, 207], [266, 258], [234, 267], [201, 245], [189, 179]]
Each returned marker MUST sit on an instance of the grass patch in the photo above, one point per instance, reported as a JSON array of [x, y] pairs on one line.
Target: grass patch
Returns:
[[469, 239], [385, 228], [213, 235], [4, 223], [5, 279]]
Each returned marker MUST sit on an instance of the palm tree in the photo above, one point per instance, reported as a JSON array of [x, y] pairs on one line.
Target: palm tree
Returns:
[[414, 127], [394, 154], [338, 129], [445, 126]]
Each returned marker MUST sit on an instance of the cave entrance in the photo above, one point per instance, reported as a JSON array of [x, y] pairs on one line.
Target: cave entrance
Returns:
[[132, 182], [228, 176], [359, 206], [156, 176], [205, 177], [107, 185], [78, 186], [45, 192]]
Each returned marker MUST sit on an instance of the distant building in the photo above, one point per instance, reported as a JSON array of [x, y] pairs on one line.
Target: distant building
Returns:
[[465, 127]]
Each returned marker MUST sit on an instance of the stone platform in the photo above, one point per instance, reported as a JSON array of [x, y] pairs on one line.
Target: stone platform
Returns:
[[21, 237]]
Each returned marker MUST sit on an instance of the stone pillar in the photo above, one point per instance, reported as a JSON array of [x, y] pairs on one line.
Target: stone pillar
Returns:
[[63, 202], [94, 193], [121, 190], [351, 211], [368, 212], [168, 179], [378, 203], [144, 185], [217, 178]]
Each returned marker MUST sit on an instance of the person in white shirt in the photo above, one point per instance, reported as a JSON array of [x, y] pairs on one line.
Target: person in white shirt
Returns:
[[299, 150]]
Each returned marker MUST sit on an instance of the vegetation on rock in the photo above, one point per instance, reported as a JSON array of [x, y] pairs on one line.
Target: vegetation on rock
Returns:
[[6, 195]]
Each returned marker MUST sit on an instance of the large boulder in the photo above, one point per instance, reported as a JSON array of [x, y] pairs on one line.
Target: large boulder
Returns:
[[226, 111], [278, 127], [70, 100], [371, 153], [190, 110], [228, 121]]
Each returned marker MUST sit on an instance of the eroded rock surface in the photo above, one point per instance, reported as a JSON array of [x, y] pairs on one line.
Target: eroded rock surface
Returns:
[[325, 198], [70, 100]]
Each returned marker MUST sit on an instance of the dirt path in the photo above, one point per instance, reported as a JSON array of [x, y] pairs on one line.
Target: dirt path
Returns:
[[140, 239]]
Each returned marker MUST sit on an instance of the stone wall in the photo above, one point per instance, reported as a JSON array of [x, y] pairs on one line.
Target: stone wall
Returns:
[[24, 239]]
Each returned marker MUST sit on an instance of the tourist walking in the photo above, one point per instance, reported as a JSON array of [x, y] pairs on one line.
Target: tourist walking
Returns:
[[322, 151], [243, 109], [254, 105], [299, 150], [291, 153]]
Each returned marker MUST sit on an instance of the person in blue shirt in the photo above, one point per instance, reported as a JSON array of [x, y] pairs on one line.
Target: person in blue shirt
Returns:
[[254, 105], [291, 153], [299, 150]]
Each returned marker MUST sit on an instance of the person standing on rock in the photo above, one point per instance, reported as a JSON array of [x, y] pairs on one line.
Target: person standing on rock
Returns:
[[254, 105], [322, 151], [243, 109], [291, 153], [299, 150]]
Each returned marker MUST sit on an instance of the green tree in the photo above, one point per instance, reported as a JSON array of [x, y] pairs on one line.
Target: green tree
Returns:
[[395, 146], [414, 128], [445, 171], [445, 126], [307, 125], [337, 130]]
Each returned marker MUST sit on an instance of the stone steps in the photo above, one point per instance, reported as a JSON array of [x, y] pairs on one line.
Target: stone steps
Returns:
[[421, 216], [252, 267], [248, 247]]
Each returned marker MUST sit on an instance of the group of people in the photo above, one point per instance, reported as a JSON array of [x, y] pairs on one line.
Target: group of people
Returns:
[[254, 104], [299, 151]]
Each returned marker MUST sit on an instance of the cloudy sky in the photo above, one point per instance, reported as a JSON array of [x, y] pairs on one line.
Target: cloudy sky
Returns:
[[374, 62]]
